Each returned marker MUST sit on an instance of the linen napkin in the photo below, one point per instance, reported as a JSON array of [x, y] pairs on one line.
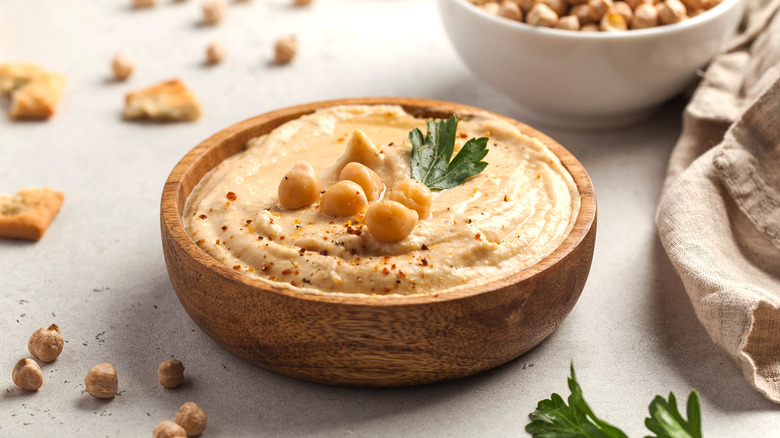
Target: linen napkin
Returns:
[[719, 213]]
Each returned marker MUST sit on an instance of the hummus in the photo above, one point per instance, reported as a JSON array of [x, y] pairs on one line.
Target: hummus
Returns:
[[496, 223]]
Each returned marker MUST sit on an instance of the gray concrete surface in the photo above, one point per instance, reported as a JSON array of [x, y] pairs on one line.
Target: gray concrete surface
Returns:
[[99, 271]]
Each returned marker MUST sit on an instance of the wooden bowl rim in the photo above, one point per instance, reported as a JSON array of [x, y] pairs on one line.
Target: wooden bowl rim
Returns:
[[173, 197]]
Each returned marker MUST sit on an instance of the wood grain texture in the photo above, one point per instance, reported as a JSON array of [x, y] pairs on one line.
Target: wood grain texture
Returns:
[[364, 341]]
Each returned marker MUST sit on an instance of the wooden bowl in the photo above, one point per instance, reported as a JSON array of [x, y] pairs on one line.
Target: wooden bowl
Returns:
[[359, 340]]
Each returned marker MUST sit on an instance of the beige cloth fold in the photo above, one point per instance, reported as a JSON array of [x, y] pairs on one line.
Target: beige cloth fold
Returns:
[[719, 214]]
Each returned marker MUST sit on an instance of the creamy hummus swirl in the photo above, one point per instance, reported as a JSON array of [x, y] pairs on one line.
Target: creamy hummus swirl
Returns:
[[510, 216]]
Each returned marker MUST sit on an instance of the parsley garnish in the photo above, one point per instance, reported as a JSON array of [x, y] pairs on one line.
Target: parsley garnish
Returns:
[[431, 155], [554, 419]]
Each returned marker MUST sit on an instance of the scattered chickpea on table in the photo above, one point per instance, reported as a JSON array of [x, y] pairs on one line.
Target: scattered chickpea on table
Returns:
[[192, 418], [46, 343], [215, 53], [143, 3], [170, 373], [122, 66], [168, 429], [285, 49], [102, 381], [214, 11], [597, 15], [27, 375]]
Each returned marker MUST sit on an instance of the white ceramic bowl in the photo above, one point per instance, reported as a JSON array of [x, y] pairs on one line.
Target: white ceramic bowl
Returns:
[[586, 79]]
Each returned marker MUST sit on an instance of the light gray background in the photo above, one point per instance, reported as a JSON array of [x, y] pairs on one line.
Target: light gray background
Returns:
[[99, 271]]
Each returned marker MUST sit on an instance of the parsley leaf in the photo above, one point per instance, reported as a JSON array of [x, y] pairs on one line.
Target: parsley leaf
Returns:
[[554, 419], [666, 422], [431, 155]]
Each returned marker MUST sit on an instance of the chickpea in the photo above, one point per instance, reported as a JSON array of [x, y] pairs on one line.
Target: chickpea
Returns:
[[122, 66], [101, 381], [192, 418], [568, 22], [491, 7], [413, 195], [541, 15], [671, 11], [168, 429], [625, 10], [613, 22], [170, 373], [143, 3], [634, 4], [584, 14], [215, 53], [696, 5], [285, 49], [390, 221], [213, 11], [646, 15], [46, 343], [300, 186], [590, 27], [561, 7], [27, 375], [510, 10], [525, 5], [368, 179], [345, 198], [599, 7]]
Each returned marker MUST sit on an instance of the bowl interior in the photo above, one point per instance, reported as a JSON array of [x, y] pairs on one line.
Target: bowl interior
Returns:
[[206, 156]]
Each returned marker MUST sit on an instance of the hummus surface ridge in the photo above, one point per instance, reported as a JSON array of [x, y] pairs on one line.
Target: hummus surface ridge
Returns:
[[503, 220]]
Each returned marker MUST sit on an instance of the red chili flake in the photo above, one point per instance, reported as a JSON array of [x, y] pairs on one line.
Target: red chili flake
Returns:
[[281, 237], [325, 238], [302, 251], [287, 272], [271, 238], [265, 267], [385, 271], [387, 258], [224, 228], [478, 236], [424, 247], [203, 216], [236, 267], [293, 283], [231, 196], [248, 221], [200, 242], [393, 266], [272, 278], [425, 262], [506, 198], [401, 273], [324, 252], [462, 135], [259, 237]]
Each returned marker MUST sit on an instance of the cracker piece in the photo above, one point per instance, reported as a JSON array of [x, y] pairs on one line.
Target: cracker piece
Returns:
[[168, 101], [27, 214], [34, 91]]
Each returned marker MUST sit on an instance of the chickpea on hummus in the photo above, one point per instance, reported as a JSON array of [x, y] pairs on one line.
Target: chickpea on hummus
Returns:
[[325, 204]]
